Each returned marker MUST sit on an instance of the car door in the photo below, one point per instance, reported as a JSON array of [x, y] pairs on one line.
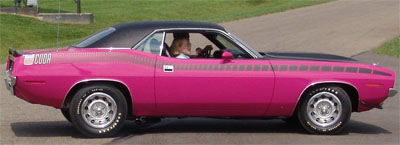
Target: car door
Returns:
[[213, 87]]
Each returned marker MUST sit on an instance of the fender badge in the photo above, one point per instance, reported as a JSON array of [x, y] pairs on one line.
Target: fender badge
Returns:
[[37, 59], [28, 59]]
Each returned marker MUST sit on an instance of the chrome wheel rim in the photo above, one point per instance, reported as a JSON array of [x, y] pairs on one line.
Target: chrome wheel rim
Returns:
[[324, 109], [98, 110]]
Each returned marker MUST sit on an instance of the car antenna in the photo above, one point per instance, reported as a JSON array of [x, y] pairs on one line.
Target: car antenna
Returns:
[[58, 23]]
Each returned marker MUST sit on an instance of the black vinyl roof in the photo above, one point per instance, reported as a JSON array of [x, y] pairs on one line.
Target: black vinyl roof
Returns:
[[127, 35]]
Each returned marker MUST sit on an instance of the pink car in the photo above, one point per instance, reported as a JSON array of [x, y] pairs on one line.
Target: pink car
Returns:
[[129, 71]]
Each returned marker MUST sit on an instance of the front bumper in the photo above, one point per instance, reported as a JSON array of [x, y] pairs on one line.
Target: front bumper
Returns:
[[392, 92], [10, 81]]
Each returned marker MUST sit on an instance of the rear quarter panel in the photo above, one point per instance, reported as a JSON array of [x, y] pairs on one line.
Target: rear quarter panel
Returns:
[[48, 84]]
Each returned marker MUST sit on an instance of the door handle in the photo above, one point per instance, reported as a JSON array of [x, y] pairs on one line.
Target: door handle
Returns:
[[168, 68]]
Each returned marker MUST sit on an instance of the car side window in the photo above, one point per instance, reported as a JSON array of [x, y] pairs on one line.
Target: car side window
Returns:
[[94, 38], [152, 44], [235, 50], [201, 42]]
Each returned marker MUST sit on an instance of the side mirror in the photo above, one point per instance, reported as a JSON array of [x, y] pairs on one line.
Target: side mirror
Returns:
[[227, 56]]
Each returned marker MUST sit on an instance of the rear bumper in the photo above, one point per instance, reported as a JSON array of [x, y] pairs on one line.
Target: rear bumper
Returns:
[[392, 92], [10, 81]]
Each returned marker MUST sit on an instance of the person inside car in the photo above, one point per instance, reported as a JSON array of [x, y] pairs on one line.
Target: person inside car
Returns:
[[181, 46]]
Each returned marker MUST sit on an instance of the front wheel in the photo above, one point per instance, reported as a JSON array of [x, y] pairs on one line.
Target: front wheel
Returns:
[[324, 110], [65, 113], [98, 110]]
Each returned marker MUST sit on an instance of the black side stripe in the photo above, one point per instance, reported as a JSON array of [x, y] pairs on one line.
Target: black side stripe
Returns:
[[314, 68], [326, 68], [241, 67], [149, 62], [275, 67], [364, 70], [376, 72], [283, 68], [293, 68], [228, 67], [265, 67], [338, 69], [234, 67], [256, 67], [249, 67], [351, 69], [303, 68]]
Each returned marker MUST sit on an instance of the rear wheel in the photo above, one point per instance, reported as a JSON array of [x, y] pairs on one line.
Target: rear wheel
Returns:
[[98, 110], [324, 110]]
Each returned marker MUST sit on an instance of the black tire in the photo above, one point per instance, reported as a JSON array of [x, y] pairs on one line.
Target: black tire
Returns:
[[324, 120], [65, 113], [112, 126]]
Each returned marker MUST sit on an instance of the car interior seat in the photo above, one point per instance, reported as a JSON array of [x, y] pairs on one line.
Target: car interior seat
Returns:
[[166, 50], [154, 46]]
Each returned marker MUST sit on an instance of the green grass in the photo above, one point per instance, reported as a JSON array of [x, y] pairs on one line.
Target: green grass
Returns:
[[390, 48], [28, 33]]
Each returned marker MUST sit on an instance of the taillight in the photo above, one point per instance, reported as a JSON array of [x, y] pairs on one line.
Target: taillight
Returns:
[[10, 65]]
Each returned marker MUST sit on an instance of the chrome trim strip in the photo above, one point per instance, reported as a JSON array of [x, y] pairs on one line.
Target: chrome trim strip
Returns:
[[111, 48], [89, 80], [246, 45], [321, 82], [227, 35], [162, 44]]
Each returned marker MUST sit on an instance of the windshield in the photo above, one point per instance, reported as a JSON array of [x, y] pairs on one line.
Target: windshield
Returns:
[[247, 46], [94, 38]]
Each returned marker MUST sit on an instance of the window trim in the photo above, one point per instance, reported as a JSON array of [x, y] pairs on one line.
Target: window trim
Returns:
[[162, 44], [227, 35]]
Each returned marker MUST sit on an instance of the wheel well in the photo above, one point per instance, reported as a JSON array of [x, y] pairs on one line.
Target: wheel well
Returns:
[[80, 85], [350, 90]]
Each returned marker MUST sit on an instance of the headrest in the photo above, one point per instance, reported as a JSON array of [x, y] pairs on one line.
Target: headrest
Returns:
[[180, 35]]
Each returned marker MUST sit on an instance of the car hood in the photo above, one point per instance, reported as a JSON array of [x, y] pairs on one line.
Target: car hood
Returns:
[[306, 56]]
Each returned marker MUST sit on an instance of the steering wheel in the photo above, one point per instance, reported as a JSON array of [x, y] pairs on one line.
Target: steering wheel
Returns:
[[206, 52]]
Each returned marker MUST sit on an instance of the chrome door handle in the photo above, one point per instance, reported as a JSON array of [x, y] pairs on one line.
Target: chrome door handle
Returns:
[[168, 68]]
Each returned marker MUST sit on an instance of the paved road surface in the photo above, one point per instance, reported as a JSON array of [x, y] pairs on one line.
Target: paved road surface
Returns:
[[339, 27], [344, 27]]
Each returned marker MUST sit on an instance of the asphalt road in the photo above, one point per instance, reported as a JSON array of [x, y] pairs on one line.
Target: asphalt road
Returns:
[[343, 27], [348, 28]]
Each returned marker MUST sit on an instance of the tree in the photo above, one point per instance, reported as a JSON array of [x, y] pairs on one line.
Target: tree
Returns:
[[78, 6]]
